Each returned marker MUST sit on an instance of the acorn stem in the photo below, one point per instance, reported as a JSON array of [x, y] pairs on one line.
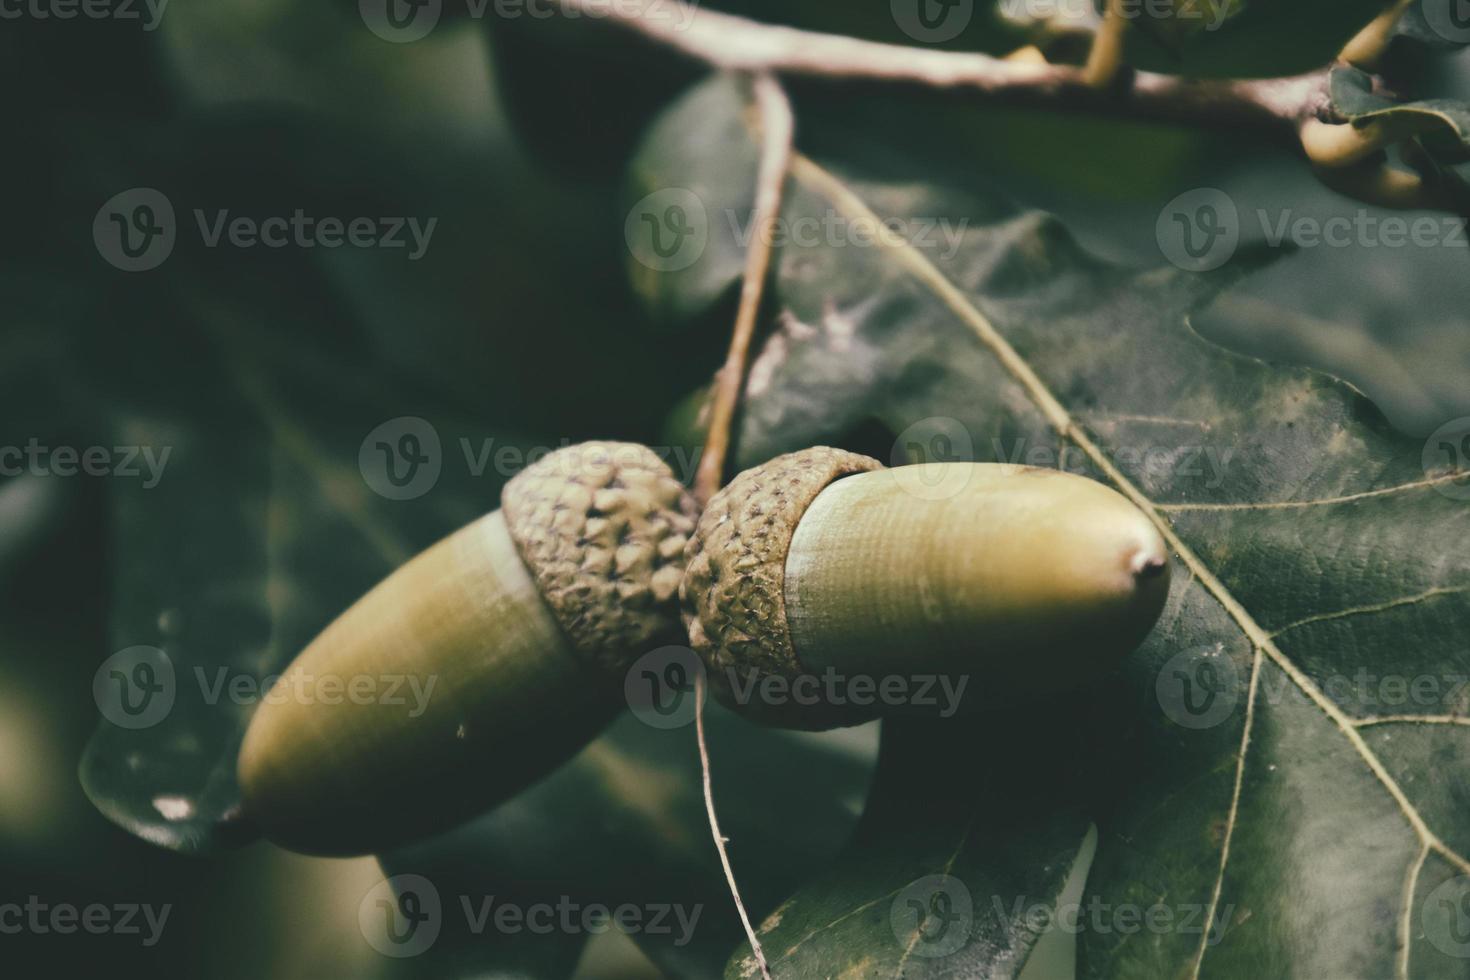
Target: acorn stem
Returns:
[[777, 124]]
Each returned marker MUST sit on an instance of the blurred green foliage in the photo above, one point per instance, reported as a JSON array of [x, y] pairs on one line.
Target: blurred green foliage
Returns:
[[518, 324]]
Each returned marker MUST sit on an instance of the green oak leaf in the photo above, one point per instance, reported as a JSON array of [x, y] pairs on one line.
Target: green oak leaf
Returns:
[[1262, 781], [918, 890]]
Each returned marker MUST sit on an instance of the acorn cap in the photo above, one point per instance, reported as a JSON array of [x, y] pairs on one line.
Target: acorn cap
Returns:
[[602, 526], [734, 596]]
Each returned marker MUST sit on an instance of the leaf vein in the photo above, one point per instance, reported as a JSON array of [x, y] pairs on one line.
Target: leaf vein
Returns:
[[1406, 909], [807, 171], [1412, 720], [1375, 607], [1432, 481], [948, 867], [1234, 813]]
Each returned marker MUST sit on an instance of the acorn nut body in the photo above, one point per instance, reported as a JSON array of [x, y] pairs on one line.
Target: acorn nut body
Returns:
[[821, 565], [492, 642]]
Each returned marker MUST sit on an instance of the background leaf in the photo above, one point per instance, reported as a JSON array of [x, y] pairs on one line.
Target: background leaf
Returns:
[[912, 894], [624, 822], [1242, 38], [1311, 542], [1447, 141]]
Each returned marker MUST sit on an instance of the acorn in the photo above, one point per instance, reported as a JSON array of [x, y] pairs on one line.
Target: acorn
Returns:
[[818, 578], [480, 665]]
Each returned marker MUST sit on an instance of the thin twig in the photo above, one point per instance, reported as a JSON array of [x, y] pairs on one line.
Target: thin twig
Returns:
[[1285, 108], [776, 127], [737, 43], [714, 824], [1368, 45], [1105, 56]]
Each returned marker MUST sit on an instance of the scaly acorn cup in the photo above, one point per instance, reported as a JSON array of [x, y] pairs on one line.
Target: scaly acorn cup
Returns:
[[509, 639], [819, 577]]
